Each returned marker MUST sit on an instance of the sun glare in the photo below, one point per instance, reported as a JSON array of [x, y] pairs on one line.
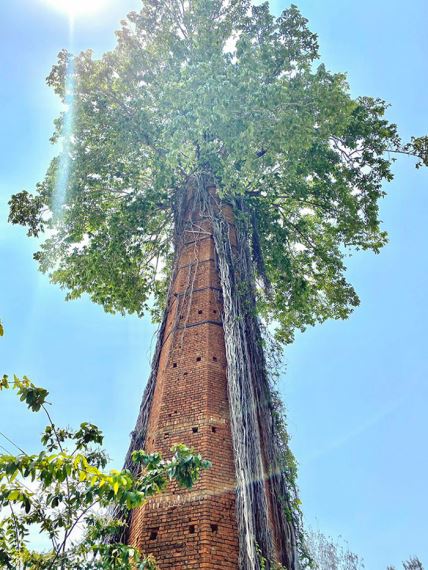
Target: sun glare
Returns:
[[76, 7]]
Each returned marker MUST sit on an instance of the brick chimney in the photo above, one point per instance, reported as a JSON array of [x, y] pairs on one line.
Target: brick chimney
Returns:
[[196, 528]]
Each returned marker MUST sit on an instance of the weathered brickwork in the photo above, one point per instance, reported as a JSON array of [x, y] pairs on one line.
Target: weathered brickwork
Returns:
[[193, 529]]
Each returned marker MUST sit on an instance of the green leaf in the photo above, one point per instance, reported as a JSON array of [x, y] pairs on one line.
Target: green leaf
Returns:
[[14, 495], [33, 396], [4, 382]]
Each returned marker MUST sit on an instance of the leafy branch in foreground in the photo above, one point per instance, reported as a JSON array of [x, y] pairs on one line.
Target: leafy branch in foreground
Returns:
[[64, 494]]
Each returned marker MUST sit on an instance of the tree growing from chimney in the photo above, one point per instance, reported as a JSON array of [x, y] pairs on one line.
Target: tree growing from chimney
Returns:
[[203, 93]]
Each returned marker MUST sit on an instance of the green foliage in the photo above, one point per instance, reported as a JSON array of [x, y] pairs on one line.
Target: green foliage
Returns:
[[263, 562], [418, 146], [225, 88], [64, 492], [33, 396]]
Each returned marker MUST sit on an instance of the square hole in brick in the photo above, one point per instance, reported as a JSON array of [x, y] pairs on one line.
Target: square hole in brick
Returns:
[[174, 365], [198, 358], [195, 429], [215, 311], [214, 528], [192, 529], [213, 429], [200, 312], [214, 358], [154, 533]]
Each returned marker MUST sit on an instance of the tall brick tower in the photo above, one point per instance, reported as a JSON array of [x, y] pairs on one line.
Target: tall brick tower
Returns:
[[197, 528]]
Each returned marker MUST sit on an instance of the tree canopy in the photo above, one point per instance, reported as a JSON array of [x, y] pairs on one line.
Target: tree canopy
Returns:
[[224, 87]]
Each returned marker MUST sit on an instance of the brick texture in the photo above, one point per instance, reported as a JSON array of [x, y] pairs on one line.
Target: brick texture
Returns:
[[196, 528]]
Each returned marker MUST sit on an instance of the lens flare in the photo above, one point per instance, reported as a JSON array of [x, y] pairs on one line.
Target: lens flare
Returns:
[[72, 9], [64, 164]]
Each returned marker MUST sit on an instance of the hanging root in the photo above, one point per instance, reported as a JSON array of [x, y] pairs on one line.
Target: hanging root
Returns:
[[257, 254], [265, 517]]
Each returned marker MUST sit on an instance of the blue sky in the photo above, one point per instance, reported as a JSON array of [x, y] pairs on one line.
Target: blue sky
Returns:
[[356, 391]]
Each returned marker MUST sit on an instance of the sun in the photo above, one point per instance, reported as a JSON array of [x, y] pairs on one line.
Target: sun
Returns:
[[76, 7]]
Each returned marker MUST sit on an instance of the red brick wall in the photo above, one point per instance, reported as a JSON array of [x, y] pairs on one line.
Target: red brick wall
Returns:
[[192, 529]]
